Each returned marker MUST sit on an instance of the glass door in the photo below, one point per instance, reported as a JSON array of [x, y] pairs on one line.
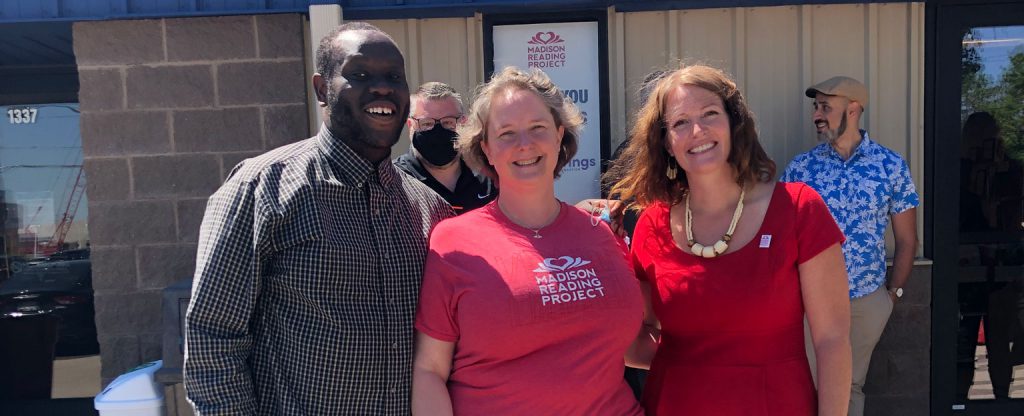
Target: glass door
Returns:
[[981, 137], [46, 295]]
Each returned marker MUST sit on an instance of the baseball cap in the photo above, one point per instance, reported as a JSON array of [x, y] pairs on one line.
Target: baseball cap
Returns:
[[841, 86]]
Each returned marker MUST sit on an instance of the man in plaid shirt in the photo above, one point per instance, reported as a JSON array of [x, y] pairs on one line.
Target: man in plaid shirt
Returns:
[[310, 256]]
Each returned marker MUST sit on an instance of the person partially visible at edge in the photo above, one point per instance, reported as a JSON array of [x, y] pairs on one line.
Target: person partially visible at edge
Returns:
[[311, 255], [528, 304], [991, 190], [436, 110], [865, 184], [729, 262], [623, 220]]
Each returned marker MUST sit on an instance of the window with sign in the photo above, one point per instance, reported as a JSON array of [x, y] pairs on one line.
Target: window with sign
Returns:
[[45, 273]]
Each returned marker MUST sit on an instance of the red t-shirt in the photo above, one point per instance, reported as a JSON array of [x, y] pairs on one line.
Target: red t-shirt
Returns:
[[732, 326], [540, 326]]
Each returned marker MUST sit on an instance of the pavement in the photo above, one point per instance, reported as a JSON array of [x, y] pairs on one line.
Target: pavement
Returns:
[[76, 377], [982, 387]]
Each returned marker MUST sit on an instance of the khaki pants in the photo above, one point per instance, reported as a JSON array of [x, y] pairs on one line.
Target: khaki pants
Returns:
[[868, 316]]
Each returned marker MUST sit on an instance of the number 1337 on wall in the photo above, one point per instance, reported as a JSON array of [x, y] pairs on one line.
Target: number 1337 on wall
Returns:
[[22, 115]]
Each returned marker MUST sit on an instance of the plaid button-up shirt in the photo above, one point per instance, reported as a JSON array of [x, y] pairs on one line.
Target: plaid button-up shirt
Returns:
[[306, 285]]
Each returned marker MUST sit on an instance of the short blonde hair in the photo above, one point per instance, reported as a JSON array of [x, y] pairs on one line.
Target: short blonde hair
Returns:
[[474, 131]]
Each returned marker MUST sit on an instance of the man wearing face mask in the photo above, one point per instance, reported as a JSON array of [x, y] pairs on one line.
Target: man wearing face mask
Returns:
[[864, 185], [435, 111]]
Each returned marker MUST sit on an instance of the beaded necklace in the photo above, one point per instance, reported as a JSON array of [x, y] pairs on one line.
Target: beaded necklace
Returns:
[[720, 246]]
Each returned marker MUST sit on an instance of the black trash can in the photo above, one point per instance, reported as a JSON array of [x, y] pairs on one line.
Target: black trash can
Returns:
[[27, 347]]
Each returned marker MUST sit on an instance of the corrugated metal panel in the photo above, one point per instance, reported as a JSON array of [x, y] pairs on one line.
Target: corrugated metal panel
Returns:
[[776, 52], [772, 81], [766, 49], [447, 50]]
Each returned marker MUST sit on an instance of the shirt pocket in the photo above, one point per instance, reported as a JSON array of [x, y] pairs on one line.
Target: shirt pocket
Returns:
[[314, 272]]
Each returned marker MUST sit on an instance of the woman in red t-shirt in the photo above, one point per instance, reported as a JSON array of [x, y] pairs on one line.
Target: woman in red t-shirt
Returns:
[[729, 262], [528, 304]]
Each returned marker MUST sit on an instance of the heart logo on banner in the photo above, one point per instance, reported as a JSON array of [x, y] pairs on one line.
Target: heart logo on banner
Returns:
[[544, 38]]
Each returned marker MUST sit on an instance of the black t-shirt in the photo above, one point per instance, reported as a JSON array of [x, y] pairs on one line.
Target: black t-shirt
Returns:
[[471, 191]]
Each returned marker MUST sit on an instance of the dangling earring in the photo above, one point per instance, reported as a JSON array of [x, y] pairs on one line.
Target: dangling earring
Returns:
[[671, 171]]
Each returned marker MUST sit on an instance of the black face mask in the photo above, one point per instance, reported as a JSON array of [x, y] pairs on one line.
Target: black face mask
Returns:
[[437, 145]]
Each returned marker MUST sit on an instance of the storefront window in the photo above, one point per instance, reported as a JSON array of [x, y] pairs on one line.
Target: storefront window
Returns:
[[990, 344], [45, 274]]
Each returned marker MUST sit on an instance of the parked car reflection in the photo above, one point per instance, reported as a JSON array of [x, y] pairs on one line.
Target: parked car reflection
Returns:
[[10, 265], [60, 285]]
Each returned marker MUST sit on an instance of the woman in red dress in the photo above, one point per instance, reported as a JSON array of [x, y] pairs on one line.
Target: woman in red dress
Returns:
[[730, 262]]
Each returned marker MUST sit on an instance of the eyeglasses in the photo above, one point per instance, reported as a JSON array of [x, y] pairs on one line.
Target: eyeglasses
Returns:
[[427, 123]]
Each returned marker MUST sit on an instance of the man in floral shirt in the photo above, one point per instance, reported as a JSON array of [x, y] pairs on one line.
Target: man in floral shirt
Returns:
[[864, 185]]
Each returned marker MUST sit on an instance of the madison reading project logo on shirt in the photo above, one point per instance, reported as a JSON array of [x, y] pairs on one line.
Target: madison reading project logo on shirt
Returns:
[[565, 280]]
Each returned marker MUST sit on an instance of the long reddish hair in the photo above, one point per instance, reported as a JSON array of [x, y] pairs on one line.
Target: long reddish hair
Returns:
[[643, 163]]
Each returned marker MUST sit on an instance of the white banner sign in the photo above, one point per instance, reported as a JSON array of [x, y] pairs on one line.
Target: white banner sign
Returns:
[[567, 52]]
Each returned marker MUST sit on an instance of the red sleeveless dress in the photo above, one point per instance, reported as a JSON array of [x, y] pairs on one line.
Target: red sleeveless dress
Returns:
[[732, 326]]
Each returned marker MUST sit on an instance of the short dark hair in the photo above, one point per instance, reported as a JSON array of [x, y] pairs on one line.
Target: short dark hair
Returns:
[[434, 90], [327, 56]]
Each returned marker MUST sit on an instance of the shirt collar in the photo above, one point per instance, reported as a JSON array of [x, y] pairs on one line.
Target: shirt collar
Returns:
[[866, 145], [420, 172], [351, 168], [410, 160], [863, 149]]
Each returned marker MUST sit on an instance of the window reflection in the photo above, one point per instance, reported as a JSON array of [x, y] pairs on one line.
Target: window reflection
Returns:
[[45, 274], [42, 183], [990, 344]]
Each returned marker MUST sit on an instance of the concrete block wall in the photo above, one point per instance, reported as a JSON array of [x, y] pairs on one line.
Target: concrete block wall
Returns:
[[899, 377], [169, 106]]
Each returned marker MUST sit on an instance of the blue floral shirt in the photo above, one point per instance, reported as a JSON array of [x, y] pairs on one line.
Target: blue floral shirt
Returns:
[[861, 193]]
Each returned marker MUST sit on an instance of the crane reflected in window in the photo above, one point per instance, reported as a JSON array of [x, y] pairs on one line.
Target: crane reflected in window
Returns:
[[44, 249]]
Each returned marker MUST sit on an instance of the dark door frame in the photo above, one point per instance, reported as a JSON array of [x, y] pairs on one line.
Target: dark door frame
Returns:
[[945, 20]]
